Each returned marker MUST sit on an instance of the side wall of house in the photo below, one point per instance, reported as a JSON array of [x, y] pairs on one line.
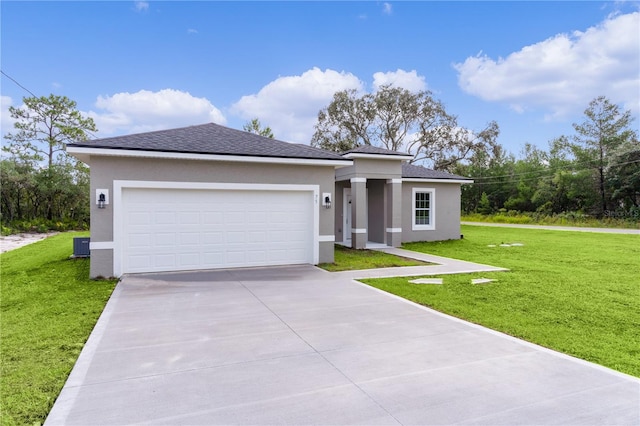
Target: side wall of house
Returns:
[[447, 212], [104, 170]]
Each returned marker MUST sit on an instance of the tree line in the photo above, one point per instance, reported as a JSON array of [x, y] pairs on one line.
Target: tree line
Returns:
[[594, 172]]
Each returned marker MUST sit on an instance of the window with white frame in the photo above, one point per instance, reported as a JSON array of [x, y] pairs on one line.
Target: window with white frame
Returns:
[[424, 209]]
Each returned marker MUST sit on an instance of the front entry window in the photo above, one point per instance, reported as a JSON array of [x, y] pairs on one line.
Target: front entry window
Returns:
[[423, 209]]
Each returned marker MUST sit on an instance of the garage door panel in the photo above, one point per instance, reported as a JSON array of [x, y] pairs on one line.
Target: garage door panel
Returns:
[[212, 218], [189, 238], [165, 218], [189, 259], [170, 229], [165, 239]]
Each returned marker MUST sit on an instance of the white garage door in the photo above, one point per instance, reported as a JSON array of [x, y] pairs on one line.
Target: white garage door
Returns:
[[184, 229]]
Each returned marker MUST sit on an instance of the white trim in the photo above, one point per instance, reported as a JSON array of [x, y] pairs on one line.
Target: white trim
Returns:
[[378, 156], [432, 209], [358, 230], [394, 181], [86, 152], [327, 238], [358, 180], [394, 230], [119, 185], [101, 245], [425, 180]]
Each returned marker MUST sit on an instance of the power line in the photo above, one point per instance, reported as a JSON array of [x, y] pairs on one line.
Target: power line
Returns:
[[18, 84], [551, 173], [34, 95], [543, 172]]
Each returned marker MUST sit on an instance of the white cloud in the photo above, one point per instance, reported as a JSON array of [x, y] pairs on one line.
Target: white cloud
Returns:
[[146, 111], [192, 31], [407, 80], [141, 6], [6, 122], [564, 72], [290, 105], [387, 8]]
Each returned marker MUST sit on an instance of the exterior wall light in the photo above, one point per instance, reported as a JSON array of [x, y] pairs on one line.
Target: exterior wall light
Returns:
[[326, 200], [102, 198]]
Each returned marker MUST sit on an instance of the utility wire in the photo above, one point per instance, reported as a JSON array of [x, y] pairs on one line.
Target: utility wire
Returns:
[[543, 172], [18, 84], [529, 179], [34, 95]]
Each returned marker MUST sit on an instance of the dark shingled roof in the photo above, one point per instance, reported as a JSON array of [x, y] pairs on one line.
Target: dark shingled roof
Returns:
[[419, 172], [210, 139], [369, 149]]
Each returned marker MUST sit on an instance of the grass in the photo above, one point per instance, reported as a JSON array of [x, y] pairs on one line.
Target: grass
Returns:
[[346, 259], [631, 221], [48, 308], [575, 292]]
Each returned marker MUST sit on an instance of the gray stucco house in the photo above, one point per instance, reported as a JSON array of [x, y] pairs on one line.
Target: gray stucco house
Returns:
[[207, 196]]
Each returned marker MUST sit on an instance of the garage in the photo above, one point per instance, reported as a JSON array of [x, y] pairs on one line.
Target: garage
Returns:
[[176, 229]]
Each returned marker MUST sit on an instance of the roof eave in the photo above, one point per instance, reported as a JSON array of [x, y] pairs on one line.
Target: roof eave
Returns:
[[83, 153], [437, 180], [351, 155]]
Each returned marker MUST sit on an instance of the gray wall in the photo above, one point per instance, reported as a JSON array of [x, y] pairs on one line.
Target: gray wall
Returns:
[[339, 209], [447, 220], [377, 210], [106, 169], [371, 169]]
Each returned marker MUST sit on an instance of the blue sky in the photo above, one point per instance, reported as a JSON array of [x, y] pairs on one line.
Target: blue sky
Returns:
[[138, 66]]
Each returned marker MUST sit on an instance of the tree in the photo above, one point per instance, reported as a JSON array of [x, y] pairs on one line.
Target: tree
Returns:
[[397, 119], [604, 130], [45, 125], [254, 126]]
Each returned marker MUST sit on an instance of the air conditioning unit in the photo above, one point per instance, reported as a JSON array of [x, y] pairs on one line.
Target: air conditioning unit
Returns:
[[81, 247]]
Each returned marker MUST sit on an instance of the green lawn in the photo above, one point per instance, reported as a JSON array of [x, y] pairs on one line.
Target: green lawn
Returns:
[[346, 259], [575, 292], [48, 308]]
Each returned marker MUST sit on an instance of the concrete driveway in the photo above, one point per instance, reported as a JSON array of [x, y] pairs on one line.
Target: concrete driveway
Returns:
[[298, 345]]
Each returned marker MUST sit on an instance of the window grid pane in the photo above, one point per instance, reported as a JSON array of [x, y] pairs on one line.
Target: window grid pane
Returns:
[[423, 208]]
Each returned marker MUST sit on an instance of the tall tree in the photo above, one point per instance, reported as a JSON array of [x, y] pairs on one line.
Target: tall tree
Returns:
[[44, 125], [397, 119], [604, 130], [254, 126]]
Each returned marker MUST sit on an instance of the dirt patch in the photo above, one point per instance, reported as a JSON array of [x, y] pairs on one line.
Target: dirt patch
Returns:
[[11, 242]]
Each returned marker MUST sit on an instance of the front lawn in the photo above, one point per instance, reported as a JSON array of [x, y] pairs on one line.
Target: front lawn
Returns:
[[347, 259], [49, 307], [575, 292]]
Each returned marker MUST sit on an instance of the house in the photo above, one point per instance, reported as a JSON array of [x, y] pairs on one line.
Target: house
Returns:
[[207, 196]]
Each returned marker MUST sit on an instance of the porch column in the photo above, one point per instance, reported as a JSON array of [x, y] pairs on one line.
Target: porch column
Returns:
[[394, 212], [358, 213]]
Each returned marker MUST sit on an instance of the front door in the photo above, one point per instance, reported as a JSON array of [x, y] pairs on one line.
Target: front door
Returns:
[[346, 215]]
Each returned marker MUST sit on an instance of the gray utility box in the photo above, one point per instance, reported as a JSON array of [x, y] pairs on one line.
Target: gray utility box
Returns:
[[81, 247]]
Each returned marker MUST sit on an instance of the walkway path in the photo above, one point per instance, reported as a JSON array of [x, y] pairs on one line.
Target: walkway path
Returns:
[[443, 265], [558, 228]]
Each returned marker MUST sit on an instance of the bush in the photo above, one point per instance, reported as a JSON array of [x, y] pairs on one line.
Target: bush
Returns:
[[565, 218], [43, 225]]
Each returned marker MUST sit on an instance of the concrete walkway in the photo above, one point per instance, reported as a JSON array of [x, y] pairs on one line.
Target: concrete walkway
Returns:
[[444, 265], [558, 228], [301, 346]]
